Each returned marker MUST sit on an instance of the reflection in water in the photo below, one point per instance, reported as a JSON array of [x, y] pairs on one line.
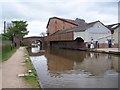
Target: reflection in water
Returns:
[[36, 52], [76, 69], [95, 63], [35, 49]]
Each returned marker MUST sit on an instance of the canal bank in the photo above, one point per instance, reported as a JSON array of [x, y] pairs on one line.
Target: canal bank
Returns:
[[31, 77], [115, 51], [106, 50]]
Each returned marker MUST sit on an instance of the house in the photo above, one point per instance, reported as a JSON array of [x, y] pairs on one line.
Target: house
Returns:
[[81, 35], [115, 34]]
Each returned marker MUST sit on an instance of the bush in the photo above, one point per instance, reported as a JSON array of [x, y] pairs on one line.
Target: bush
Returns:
[[7, 49], [7, 46]]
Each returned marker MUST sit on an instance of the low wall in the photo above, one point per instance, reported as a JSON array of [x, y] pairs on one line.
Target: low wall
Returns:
[[76, 45], [115, 46], [67, 44], [103, 45]]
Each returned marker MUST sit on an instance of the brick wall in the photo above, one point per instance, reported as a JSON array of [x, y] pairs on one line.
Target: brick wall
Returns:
[[56, 24], [115, 45], [103, 45], [61, 37], [68, 44]]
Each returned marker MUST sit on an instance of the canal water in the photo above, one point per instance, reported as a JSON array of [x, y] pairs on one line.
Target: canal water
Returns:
[[62, 68]]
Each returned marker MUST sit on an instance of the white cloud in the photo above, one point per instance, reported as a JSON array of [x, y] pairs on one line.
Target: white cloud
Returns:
[[1, 20], [36, 27], [37, 12], [59, 0]]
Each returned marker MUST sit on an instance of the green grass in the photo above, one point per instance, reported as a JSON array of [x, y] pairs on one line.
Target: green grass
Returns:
[[0, 56], [32, 80], [6, 54]]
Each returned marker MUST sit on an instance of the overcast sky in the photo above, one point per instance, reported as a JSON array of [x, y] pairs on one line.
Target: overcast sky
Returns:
[[38, 12]]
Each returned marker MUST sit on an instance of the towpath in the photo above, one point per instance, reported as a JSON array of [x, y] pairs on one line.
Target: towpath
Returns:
[[109, 49], [11, 68]]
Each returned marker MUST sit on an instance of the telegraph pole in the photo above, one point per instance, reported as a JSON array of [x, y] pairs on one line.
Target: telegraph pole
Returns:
[[4, 26]]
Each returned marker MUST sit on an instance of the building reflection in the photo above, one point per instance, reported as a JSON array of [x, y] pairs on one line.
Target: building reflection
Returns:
[[95, 66], [114, 64], [69, 54], [38, 53], [60, 61]]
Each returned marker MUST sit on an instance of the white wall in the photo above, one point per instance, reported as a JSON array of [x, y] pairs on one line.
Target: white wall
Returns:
[[119, 37], [97, 32], [115, 36], [80, 34]]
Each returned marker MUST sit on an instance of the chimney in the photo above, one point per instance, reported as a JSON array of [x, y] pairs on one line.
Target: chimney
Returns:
[[80, 20]]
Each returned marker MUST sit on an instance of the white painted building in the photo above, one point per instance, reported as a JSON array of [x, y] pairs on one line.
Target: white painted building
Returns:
[[115, 34], [97, 32], [92, 32]]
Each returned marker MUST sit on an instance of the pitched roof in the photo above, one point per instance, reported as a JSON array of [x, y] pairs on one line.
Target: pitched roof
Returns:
[[112, 27], [81, 28], [76, 29], [65, 20], [69, 21]]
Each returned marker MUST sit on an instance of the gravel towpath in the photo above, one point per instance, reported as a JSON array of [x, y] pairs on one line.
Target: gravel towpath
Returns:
[[11, 68]]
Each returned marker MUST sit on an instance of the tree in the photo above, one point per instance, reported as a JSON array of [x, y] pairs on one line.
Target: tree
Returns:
[[18, 28], [42, 34]]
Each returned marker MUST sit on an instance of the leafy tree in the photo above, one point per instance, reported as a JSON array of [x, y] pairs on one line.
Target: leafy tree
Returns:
[[18, 28]]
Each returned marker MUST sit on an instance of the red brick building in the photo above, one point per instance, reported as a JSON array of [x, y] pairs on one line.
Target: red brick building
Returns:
[[57, 32], [56, 24]]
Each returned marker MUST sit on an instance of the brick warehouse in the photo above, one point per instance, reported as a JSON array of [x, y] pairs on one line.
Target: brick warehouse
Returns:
[[66, 33], [64, 40], [56, 24]]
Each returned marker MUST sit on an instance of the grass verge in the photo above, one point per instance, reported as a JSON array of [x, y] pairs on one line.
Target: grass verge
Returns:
[[6, 54], [33, 79]]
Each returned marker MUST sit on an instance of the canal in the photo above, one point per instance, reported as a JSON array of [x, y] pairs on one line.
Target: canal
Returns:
[[62, 68]]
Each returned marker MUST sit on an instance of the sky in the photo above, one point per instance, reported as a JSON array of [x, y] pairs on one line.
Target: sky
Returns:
[[38, 12]]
